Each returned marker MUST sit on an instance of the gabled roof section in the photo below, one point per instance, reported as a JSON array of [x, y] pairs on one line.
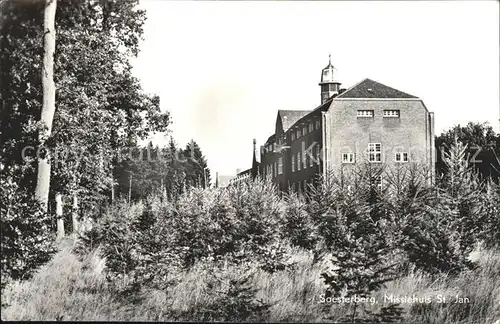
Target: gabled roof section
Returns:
[[290, 117], [271, 139], [326, 105], [373, 89]]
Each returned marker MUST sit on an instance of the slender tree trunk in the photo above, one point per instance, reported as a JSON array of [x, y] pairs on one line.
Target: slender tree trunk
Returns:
[[74, 214], [49, 96], [113, 192], [59, 216], [130, 189]]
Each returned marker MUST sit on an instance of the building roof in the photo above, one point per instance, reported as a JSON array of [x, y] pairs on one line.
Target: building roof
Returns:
[[290, 117], [270, 139], [373, 89], [247, 171]]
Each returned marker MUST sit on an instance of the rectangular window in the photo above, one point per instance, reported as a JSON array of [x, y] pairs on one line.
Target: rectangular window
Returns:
[[293, 136], [293, 163], [280, 165], [365, 113], [298, 161], [310, 157], [298, 133], [348, 158], [375, 152], [311, 127], [378, 181], [391, 113], [304, 131], [318, 153], [318, 124], [402, 157]]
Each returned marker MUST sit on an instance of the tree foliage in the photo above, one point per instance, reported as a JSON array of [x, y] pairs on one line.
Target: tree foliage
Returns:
[[482, 148]]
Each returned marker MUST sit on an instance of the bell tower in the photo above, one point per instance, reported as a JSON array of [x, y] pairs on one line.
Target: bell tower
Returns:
[[329, 85]]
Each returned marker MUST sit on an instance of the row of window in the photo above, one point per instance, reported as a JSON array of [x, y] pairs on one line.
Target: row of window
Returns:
[[370, 113], [375, 155], [301, 160], [351, 157], [303, 131], [300, 186], [274, 168]]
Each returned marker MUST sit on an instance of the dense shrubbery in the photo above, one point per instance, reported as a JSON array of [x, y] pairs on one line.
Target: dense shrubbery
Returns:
[[361, 237], [369, 234], [27, 239], [148, 243]]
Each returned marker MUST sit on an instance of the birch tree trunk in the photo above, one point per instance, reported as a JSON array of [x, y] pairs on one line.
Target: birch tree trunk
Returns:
[[49, 96], [59, 215], [74, 214]]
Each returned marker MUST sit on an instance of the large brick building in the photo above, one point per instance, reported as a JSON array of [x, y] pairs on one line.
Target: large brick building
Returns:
[[369, 122]]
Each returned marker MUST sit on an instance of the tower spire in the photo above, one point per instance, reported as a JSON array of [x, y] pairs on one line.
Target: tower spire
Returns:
[[329, 59], [255, 164]]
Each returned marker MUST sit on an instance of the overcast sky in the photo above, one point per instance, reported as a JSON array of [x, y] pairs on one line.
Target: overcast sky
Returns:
[[223, 69]]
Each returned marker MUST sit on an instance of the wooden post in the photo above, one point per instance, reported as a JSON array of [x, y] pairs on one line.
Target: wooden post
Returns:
[[59, 216], [130, 189], [74, 214]]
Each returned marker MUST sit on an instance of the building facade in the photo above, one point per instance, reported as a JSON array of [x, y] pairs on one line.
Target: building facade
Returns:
[[369, 122]]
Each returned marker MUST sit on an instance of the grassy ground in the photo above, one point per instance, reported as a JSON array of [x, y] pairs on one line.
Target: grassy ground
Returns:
[[69, 289]]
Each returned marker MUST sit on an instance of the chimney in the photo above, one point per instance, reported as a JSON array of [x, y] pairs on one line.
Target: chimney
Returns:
[[216, 179]]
